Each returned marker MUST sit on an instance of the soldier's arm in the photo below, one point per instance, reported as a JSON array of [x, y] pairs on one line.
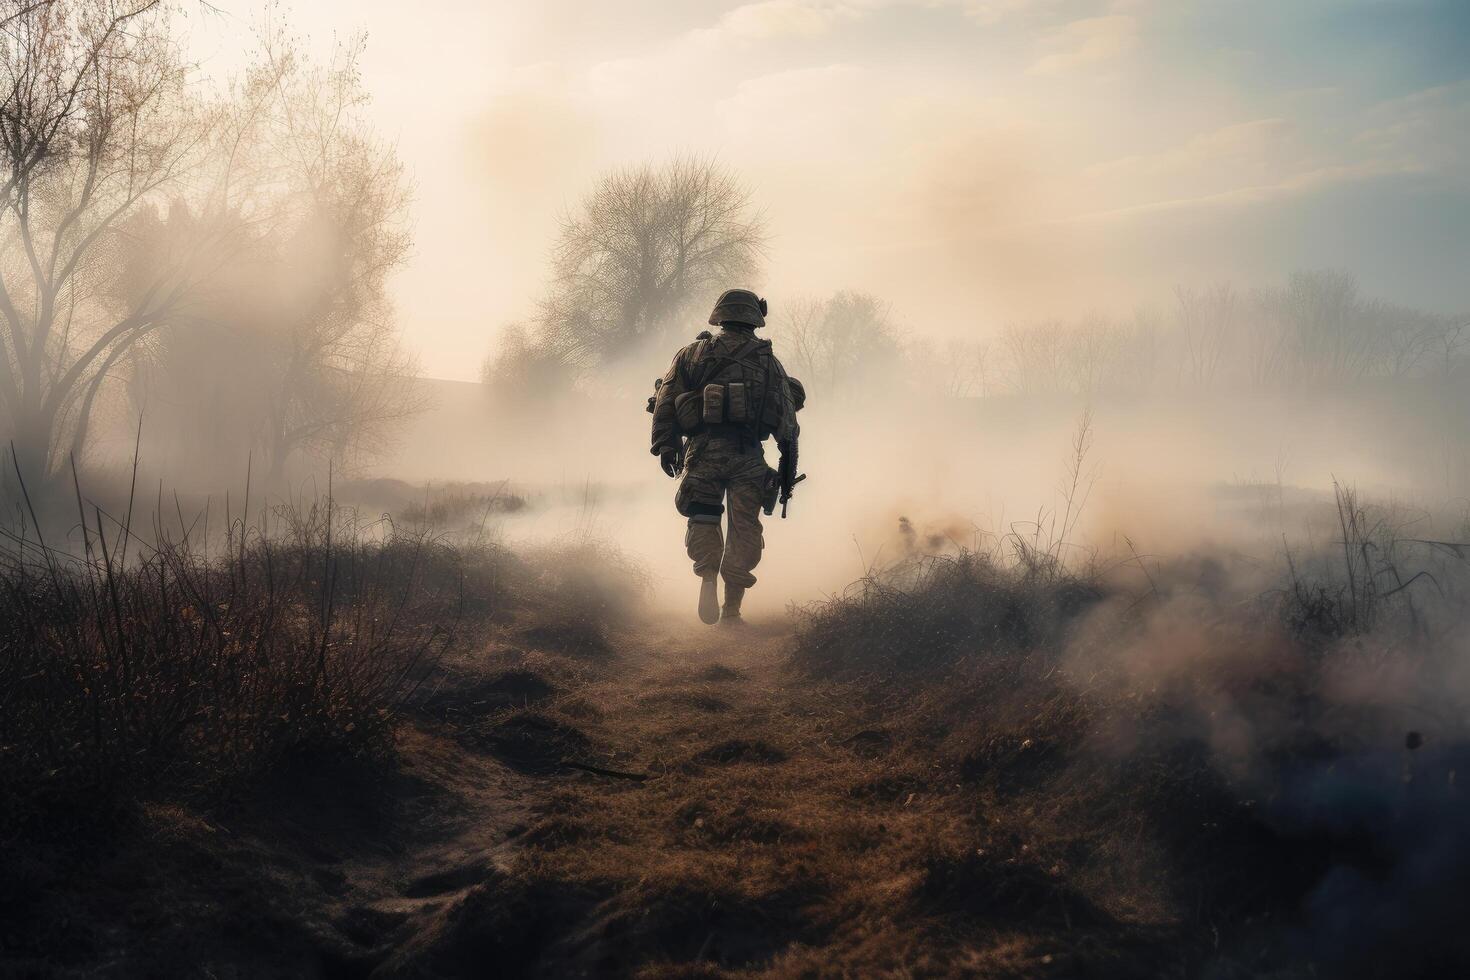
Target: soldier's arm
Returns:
[[787, 428], [665, 428]]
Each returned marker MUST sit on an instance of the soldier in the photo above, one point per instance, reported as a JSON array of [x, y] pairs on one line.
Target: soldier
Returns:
[[723, 395]]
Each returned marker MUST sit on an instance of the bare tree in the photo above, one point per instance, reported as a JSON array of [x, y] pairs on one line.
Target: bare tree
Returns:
[[1207, 321], [1404, 338], [317, 204], [1136, 366], [1091, 353], [645, 244], [841, 343], [953, 368], [806, 343], [343, 379], [1035, 357], [94, 125], [1329, 338], [1448, 341], [522, 368], [965, 366]]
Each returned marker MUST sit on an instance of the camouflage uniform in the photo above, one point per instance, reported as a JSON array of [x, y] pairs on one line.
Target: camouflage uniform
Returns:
[[717, 469], [724, 462]]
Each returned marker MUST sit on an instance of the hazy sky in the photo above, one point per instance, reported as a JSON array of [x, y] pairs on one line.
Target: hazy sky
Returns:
[[973, 161]]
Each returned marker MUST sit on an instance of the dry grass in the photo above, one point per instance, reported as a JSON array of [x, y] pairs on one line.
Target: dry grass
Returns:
[[972, 765], [182, 662], [1225, 778], [160, 666]]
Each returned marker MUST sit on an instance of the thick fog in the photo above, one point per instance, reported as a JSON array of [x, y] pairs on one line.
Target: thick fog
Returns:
[[323, 274], [1222, 417]]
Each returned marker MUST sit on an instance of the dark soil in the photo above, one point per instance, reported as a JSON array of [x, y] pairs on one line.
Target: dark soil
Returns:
[[784, 825]]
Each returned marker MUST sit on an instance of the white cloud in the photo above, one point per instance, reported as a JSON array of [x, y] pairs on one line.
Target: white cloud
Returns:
[[1086, 44], [1426, 131], [1287, 186], [765, 19], [992, 11], [786, 18], [1265, 160], [1229, 148]]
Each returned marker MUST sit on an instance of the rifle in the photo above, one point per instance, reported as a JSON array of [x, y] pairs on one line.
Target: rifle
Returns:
[[789, 478]]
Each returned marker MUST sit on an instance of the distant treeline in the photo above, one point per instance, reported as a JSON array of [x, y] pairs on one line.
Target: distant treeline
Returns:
[[636, 265], [1317, 329]]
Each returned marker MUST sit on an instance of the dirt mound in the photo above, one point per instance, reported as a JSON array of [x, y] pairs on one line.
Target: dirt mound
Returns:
[[1011, 758], [886, 789], [686, 698], [532, 743], [497, 928], [983, 883], [588, 640], [737, 750], [523, 684], [688, 923], [461, 699], [717, 673], [556, 831], [869, 744], [518, 925], [449, 879], [322, 806], [722, 822]]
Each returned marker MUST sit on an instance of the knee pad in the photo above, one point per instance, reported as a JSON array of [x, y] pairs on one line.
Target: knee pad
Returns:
[[705, 513]]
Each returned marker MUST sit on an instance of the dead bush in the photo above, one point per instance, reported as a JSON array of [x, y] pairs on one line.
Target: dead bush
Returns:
[[178, 666]]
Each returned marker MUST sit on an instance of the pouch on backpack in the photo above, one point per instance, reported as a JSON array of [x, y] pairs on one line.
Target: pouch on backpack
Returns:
[[714, 404], [689, 412], [737, 402]]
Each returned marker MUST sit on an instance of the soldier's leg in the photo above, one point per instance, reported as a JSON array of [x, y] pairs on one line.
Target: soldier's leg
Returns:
[[705, 542], [743, 549], [705, 545], [700, 499]]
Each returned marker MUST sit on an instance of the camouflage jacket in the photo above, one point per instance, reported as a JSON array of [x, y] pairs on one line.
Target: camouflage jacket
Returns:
[[730, 355]]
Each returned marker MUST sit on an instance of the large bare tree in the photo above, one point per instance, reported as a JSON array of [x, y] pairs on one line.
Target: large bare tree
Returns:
[[299, 331], [645, 245], [95, 124], [342, 378]]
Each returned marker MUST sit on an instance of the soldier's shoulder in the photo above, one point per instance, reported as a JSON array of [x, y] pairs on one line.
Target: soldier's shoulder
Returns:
[[694, 346]]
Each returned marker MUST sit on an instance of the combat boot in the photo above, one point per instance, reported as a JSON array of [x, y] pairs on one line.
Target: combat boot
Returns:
[[731, 614], [709, 600]]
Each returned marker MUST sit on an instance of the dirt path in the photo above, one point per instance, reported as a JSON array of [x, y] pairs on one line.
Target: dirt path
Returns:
[[755, 822], [777, 828], [759, 798], [558, 870]]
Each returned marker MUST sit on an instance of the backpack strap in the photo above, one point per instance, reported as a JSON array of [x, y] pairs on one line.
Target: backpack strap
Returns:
[[718, 363], [693, 352], [760, 410]]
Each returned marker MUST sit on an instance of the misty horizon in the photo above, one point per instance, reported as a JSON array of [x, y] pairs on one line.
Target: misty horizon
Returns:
[[1001, 151]]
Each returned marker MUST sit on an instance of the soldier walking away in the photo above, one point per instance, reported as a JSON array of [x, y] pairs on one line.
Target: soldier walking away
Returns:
[[723, 396]]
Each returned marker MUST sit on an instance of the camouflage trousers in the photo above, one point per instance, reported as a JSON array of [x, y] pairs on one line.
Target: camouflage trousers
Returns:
[[717, 470]]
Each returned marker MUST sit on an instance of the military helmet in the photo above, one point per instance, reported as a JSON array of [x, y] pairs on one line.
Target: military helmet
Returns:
[[739, 306]]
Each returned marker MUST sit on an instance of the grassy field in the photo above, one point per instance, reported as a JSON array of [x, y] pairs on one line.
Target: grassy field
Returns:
[[363, 752]]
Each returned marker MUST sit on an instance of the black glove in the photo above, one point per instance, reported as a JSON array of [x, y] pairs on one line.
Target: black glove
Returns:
[[671, 461]]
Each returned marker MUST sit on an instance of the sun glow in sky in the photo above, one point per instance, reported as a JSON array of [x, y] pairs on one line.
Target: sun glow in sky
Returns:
[[973, 162]]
